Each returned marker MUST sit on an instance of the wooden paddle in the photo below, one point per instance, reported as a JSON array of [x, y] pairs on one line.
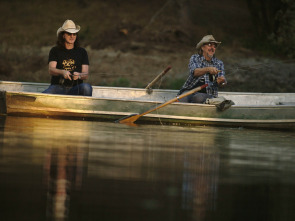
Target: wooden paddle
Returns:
[[133, 117], [148, 87]]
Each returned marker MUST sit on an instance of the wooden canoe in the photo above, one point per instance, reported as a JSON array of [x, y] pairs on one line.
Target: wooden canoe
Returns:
[[259, 110]]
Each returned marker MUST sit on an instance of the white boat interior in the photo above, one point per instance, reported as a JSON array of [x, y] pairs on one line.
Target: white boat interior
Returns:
[[160, 95]]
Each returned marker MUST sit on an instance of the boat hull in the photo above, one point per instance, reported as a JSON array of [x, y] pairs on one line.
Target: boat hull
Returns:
[[104, 109], [259, 110]]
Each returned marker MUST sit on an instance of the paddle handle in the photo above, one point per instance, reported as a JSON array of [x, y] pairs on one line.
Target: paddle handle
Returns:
[[175, 99], [158, 77]]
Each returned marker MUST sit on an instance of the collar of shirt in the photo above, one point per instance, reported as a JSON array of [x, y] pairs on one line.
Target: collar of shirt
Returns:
[[212, 61]]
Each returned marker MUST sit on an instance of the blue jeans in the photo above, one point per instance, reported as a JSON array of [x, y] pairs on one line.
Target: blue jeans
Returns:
[[195, 98], [83, 89]]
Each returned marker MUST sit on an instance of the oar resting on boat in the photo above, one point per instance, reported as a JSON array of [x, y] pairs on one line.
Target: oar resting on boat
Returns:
[[133, 117], [148, 88]]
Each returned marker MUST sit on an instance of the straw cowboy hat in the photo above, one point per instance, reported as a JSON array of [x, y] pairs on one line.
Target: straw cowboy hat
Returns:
[[207, 39], [69, 26]]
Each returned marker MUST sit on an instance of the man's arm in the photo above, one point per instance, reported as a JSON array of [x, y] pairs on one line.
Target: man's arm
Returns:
[[84, 74], [196, 68], [53, 71], [201, 71]]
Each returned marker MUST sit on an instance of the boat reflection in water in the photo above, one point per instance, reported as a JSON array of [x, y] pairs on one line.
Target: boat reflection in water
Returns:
[[166, 173], [77, 170]]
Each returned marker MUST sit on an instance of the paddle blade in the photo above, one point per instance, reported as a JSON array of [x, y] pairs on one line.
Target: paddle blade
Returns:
[[128, 119]]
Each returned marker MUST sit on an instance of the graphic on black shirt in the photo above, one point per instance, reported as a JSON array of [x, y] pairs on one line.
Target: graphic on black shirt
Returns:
[[69, 65], [69, 60]]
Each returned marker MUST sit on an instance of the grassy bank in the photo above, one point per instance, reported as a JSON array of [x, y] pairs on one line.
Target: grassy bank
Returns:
[[110, 67]]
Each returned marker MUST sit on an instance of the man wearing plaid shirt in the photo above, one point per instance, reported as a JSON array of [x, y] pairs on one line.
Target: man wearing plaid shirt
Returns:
[[204, 68]]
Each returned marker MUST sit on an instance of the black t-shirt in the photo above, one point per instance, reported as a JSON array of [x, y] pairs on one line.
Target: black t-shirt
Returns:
[[70, 60]]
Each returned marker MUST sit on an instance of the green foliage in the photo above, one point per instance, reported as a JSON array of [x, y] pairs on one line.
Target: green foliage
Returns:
[[139, 85], [175, 83], [274, 25], [121, 82], [266, 47], [284, 35]]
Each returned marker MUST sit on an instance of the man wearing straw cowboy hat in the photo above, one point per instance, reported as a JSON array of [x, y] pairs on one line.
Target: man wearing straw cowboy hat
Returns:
[[68, 63], [205, 68]]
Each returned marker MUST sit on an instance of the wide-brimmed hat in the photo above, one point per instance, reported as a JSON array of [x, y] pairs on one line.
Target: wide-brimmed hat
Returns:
[[207, 39], [69, 26]]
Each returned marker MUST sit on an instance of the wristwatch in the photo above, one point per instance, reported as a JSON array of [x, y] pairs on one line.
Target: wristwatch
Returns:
[[79, 76]]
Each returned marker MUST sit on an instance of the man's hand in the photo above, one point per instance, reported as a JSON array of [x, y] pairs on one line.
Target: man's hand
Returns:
[[221, 80], [76, 76], [67, 75], [213, 70]]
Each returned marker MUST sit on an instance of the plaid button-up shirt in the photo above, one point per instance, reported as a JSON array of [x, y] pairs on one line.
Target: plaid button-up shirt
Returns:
[[199, 61]]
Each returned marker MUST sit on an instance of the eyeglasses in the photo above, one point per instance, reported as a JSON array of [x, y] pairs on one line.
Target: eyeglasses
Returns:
[[74, 34], [211, 44]]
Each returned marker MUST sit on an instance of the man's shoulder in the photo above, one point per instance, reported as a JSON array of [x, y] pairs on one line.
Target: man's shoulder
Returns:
[[196, 57], [217, 60], [80, 50], [55, 49]]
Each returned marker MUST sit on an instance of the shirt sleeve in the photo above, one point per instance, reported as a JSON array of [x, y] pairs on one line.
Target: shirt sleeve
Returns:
[[52, 55], [194, 63], [221, 67]]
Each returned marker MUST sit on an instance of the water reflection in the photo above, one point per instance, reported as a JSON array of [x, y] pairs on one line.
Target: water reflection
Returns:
[[63, 169], [200, 181], [2, 126], [65, 149], [76, 170]]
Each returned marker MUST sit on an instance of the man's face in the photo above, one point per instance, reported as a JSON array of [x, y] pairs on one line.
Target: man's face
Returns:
[[209, 49], [70, 38]]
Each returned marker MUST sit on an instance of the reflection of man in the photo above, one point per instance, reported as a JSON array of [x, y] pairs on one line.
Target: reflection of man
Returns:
[[64, 168], [2, 126], [200, 181]]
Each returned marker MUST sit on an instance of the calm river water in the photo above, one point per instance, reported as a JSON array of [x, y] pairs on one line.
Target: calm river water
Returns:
[[78, 170]]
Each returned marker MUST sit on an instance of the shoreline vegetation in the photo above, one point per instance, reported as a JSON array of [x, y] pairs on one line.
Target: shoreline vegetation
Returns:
[[131, 47]]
